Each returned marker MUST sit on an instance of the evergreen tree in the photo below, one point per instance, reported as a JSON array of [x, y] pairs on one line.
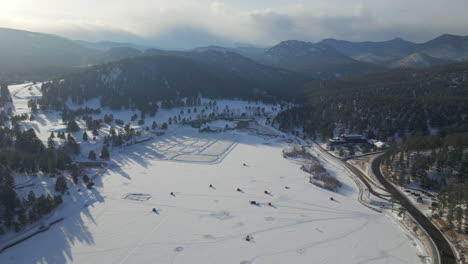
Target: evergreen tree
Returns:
[[86, 179], [459, 218], [105, 153], [75, 173], [108, 118], [466, 220], [90, 185], [61, 184], [85, 136], [4, 93], [365, 148], [71, 145], [8, 197], [92, 155], [32, 215], [72, 127], [34, 108], [22, 219], [31, 197]]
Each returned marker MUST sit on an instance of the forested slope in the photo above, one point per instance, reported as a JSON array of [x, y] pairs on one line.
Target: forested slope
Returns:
[[138, 82], [390, 104]]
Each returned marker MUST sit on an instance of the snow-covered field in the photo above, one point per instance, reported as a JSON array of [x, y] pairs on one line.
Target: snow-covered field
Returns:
[[115, 222]]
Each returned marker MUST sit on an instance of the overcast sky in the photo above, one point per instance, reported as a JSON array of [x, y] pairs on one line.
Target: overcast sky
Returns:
[[189, 23]]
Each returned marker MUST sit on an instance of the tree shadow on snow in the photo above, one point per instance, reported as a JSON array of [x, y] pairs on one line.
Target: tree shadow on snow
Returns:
[[54, 245]]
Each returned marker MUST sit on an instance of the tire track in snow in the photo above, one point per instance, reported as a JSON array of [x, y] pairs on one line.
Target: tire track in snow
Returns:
[[144, 238], [304, 247]]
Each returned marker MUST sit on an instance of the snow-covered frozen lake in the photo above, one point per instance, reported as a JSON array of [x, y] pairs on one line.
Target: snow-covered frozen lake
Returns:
[[208, 225], [115, 222]]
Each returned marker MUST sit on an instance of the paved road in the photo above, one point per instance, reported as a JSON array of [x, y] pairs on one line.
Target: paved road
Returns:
[[446, 253], [356, 172]]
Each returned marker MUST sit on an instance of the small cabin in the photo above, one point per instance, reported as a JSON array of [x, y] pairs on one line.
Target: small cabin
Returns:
[[377, 143]]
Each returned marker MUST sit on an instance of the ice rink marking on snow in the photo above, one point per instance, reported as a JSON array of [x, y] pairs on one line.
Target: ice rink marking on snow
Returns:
[[210, 150], [137, 196]]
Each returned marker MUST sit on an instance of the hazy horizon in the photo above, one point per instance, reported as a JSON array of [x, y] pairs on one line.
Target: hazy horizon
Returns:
[[192, 23]]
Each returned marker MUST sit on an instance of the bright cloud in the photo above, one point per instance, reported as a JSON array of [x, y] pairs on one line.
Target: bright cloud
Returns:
[[189, 23]]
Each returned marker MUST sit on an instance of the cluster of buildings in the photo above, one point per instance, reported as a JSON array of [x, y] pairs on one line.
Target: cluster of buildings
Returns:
[[355, 139]]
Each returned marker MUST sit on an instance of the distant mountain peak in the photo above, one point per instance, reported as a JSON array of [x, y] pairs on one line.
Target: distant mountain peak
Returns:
[[398, 40], [448, 47], [293, 42], [296, 47], [315, 59], [449, 36], [445, 38], [297, 44], [211, 48]]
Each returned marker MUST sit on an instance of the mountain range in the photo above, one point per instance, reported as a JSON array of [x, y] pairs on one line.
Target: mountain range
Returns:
[[24, 52], [443, 49]]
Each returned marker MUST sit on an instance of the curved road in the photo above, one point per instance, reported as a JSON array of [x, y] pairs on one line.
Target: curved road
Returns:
[[446, 253], [355, 171]]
